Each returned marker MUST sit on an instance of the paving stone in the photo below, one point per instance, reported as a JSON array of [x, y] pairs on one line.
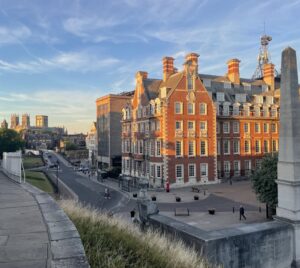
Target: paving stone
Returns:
[[67, 248], [64, 235], [25, 264], [78, 262]]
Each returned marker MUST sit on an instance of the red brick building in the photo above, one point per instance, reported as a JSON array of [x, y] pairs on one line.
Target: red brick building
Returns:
[[196, 128]]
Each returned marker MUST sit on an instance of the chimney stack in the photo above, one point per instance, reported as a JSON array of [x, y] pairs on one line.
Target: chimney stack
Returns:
[[233, 72], [168, 67], [193, 59], [268, 73]]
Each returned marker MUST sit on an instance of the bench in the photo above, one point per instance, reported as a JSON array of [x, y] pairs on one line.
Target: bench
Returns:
[[182, 212], [196, 189]]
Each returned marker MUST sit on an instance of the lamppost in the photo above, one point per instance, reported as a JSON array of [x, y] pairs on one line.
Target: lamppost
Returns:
[[57, 167]]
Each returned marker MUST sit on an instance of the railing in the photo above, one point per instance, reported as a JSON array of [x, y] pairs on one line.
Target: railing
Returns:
[[12, 166]]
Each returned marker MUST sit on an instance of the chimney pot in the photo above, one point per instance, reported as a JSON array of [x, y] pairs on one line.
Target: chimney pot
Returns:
[[168, 67], [233, 72]]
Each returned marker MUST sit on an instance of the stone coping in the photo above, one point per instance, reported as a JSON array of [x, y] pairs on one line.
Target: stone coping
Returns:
[[206, 236], [65, 243]]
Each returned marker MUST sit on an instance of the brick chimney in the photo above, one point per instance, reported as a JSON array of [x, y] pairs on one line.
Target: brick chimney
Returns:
[[268, 75], [233, 72], [193, 58], [168, 67]]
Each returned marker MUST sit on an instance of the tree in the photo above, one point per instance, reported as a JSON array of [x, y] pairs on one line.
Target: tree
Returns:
[[10, 141], [264, 181], [69, 146]]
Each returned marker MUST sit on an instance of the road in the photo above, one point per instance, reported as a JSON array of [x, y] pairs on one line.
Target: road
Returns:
[[90, 192]]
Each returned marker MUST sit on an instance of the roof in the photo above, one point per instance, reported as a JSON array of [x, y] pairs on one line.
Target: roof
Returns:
[[152, 87]]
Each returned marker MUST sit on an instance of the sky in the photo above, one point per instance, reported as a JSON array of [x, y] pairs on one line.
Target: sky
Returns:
[[57, 57]]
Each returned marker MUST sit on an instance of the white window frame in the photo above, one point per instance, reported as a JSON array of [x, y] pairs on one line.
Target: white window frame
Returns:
[[181, 148], [206, 148], [249, 147], [236, 141], [236, 127], [204, 176], [203, 108], [224, 151], [182, 171], [226, 130], [180, 107], [194, 148], [192, 165], [193, 108]]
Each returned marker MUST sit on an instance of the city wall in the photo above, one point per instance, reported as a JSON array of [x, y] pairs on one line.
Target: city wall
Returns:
[[268, 244], [65, 191]]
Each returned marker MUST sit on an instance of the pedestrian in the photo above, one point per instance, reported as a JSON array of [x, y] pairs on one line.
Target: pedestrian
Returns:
[[132, 215], [106, 193], [242, 213]]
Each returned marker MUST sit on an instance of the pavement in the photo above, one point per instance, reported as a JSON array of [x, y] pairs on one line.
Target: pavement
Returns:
[[220, 220], [34, 231], [24, 239]]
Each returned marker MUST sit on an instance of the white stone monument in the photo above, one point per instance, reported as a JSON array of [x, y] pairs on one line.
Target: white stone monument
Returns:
[[288, 209]]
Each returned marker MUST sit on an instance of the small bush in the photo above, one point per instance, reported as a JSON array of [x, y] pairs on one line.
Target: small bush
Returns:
[[113, 242]]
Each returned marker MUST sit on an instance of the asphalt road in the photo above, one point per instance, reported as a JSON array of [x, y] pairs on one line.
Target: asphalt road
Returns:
[[90, 192]]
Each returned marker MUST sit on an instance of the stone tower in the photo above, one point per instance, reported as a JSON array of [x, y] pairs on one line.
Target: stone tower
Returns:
[[288, 209]]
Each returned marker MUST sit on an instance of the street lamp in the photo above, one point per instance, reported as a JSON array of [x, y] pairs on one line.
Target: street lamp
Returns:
[[57, 167]]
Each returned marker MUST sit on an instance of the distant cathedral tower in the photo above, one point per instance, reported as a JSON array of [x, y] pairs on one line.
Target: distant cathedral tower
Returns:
[[14, 121], [4, 124], [25, 121]]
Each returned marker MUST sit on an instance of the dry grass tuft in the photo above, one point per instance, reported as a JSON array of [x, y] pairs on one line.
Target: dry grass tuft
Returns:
[[114, 242]]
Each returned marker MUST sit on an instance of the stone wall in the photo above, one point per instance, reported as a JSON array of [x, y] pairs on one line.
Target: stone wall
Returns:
[[268, 244], [65, 192]]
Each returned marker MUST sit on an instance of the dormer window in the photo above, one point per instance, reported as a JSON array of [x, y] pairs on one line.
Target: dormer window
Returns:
[[257, 111], [220, 96], [226, 109], [236, 109], [227, 85]]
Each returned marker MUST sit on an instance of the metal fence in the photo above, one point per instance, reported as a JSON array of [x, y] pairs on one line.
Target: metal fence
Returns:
[[12, 166]]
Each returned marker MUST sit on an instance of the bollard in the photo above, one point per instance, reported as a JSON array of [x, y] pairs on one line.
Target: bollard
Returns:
[[232, 209], [204, 192], [259, 209]]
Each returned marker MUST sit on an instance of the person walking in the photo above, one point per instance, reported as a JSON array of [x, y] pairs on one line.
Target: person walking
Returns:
[[106, 193], [132, 215], [242, 213]]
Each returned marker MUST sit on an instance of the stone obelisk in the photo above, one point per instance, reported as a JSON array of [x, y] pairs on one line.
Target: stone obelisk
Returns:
[[289, 148]]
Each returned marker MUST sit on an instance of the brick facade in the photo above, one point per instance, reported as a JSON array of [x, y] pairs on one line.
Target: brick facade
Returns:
[[190, 127]]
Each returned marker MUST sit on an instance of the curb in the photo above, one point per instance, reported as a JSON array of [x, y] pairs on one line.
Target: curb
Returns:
[[65, 244]]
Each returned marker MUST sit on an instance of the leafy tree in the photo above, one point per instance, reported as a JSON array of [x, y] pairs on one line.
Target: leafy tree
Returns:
[[10, 141], [263, 181], [70, 146]]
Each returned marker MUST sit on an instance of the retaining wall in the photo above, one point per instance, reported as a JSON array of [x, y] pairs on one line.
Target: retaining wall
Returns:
[[260, 245]]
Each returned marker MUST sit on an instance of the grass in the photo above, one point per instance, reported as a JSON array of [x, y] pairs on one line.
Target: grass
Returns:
[[116, 243], [39, 180], [32, 161]]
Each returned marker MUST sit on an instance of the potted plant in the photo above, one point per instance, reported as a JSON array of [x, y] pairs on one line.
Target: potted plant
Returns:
[[134, 195], [178, 199], [153, 197], [196, 197]]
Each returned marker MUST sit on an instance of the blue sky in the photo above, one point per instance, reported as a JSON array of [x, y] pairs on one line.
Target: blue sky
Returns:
[[57, 57]]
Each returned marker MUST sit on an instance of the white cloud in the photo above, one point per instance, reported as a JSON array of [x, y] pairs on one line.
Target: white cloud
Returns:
[[14, 35], [70, 61]]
